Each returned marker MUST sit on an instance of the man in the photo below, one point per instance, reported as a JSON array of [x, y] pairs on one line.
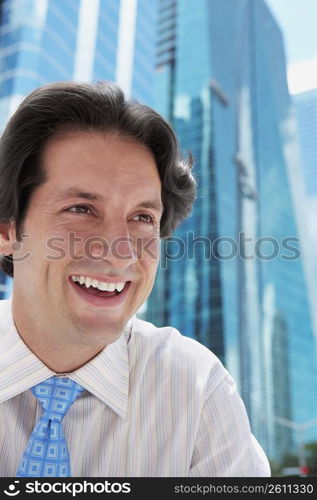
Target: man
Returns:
[[89, 183]]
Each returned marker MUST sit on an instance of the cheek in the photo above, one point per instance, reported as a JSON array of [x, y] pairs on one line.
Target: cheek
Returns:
[[30, 264], [40, 234], [28, 253], [68, 243], [147, 249], [150, 262]]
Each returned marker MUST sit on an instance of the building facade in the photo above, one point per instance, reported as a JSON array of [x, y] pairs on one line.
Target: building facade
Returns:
[[44, 41], [305, 105], [232, 276]]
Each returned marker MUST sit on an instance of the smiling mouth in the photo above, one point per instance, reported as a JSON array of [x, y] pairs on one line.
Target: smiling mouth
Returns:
[[100, 293]]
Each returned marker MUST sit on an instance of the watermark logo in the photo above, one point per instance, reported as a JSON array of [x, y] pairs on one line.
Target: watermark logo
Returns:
[[12, 490], [71, 488], [189, 247]]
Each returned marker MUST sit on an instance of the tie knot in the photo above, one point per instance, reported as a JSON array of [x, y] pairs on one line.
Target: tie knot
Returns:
[[56, 395]]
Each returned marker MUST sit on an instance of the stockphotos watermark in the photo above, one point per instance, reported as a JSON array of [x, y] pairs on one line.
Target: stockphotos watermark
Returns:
[[191, 247], [74, 488]]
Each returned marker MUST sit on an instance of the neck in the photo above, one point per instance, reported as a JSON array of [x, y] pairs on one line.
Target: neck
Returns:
[[58, 355]]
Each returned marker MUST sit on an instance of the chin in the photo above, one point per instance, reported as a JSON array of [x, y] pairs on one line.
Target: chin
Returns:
[[95, 324]]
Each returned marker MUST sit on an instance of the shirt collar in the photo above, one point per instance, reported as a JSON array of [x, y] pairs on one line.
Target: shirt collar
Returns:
[[106, 376]]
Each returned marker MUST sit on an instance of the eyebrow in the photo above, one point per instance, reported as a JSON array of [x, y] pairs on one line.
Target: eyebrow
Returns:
[[78, 193]]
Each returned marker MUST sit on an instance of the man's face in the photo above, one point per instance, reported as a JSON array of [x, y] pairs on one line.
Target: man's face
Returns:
[[97, 216]]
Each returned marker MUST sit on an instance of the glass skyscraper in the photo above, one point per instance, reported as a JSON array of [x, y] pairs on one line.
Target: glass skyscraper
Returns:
[[305, 107], [45, 41], [232, 275], [306, 115]]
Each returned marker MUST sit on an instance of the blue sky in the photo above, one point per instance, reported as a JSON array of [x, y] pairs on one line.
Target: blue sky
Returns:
[[298, 22]]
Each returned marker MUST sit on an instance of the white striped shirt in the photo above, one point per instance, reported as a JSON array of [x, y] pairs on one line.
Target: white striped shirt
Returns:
[[156, 404]]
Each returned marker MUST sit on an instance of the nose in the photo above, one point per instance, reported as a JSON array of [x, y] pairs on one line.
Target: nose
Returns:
[[116, 247]]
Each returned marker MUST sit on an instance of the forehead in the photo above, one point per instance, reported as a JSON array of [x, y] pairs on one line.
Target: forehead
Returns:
[[99, 160]]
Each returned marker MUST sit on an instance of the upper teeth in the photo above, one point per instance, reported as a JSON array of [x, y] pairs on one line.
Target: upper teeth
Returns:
[[101, 285]]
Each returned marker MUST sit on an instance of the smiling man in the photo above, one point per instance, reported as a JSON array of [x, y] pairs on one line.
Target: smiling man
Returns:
[[106, 191], [89, 184]]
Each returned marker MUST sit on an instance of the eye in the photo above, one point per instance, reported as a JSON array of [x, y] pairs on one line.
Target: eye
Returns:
[[148, 219], [78, 209]]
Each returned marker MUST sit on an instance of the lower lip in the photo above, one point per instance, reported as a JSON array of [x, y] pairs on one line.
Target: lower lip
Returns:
[[114, 301]]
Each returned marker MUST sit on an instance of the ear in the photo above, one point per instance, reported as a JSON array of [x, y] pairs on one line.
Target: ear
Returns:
[[7, 237]]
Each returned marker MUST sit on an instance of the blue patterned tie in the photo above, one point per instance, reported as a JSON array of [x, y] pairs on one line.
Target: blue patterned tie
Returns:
[[46, 454]]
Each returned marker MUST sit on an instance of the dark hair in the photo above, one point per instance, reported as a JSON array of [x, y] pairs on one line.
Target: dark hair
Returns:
[[80, 106]]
